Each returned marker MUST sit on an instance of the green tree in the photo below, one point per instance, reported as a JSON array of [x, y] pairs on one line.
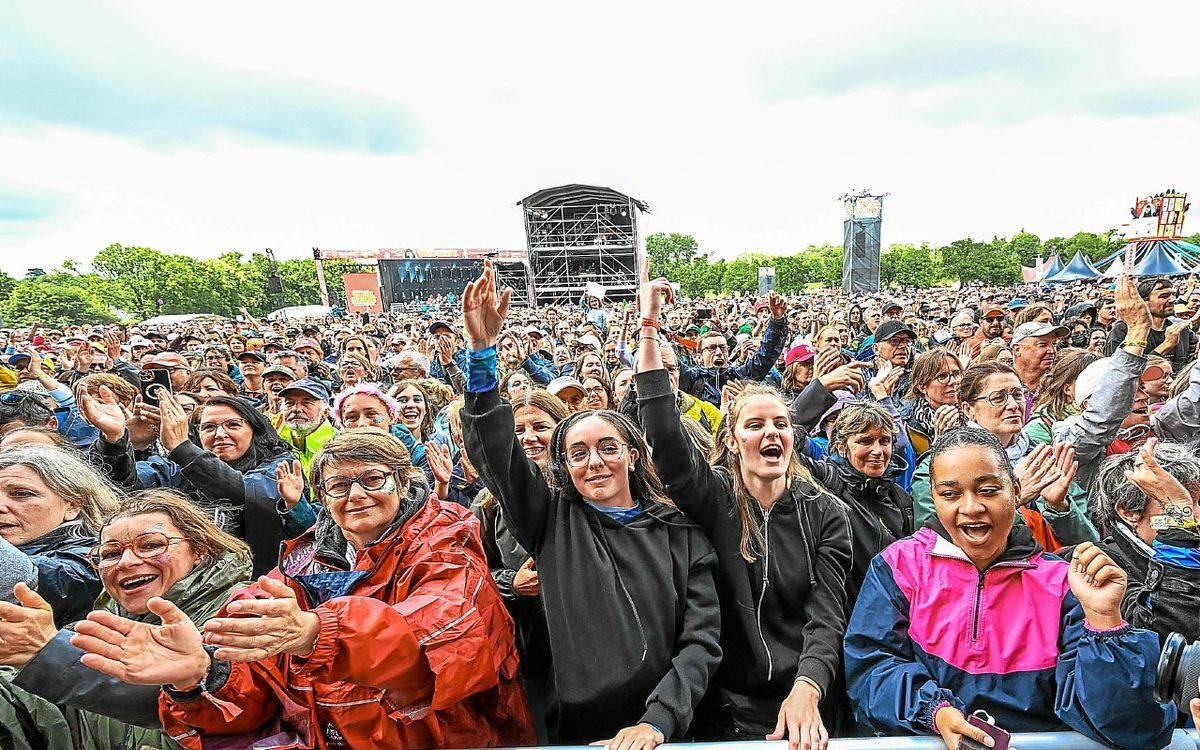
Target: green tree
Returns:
[[1093, 246], [53, 304], [990, 262], [908, 266], [1026, 247], [140, 275], [663, 249]]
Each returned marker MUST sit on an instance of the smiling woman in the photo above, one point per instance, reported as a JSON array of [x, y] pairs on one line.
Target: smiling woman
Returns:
[[382, 622], [157, 544], [913, 657]]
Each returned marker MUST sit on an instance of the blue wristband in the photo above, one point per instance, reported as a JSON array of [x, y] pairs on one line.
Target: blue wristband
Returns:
[[481, 370]]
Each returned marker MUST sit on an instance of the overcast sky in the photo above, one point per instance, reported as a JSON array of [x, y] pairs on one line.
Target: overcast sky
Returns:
[[207, 127]]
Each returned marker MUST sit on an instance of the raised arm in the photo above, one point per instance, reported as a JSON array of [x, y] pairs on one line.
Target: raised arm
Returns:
[[772, 344], [489, 428], [686, 475]]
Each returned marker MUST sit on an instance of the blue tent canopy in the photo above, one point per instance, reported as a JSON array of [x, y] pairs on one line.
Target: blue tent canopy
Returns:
[[1159, 262], [1079, 269], [1051, 267], [1182, 253]]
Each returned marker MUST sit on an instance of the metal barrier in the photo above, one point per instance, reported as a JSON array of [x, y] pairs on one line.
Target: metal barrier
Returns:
[[1183, 739]]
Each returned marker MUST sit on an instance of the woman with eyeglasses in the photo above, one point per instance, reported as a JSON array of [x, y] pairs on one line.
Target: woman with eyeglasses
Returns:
[[381, 627], [782, 546], [597, 393], [51, 505], [231, 473], [992, 398], [931, 404], [354, 369], [157, 544], [626, 581]]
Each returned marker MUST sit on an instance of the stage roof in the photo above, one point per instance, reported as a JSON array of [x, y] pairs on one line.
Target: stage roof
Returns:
[[574, 195]]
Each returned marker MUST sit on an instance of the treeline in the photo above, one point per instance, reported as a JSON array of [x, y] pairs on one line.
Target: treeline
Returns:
[[997, 261], [134, 283]]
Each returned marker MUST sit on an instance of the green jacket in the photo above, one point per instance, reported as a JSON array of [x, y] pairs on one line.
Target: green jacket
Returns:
[[56, 702]]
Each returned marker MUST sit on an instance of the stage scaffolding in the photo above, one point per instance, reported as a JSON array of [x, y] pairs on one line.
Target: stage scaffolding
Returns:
[[578, 234]]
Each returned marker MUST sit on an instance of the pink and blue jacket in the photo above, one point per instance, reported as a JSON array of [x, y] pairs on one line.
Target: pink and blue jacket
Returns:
[[930, 629]]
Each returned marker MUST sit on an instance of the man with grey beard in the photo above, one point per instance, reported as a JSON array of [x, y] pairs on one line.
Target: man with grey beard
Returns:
[[303, 420]]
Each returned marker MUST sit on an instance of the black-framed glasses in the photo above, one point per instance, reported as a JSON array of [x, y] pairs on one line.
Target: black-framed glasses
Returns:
[[714, 348], [1000, 398], [146, 546], [374, 480], [229, 425], [945, 378]]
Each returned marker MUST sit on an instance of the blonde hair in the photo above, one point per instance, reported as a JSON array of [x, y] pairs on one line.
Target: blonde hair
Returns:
[[730, 462], [71, 477]]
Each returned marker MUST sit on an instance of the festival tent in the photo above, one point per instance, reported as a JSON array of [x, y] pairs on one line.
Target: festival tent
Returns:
[[1079, 269], [1052, 266], [1115, 269], [1159, 262], [1178, 252]]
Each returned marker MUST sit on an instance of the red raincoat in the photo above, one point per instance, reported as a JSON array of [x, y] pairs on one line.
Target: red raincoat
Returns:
[[419, 654]]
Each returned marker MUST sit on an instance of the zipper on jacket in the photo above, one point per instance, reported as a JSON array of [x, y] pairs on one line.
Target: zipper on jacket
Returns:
[[978, 601], [765, 582]]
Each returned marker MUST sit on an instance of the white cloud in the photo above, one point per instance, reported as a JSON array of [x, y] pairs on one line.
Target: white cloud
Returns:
[[663, 102]]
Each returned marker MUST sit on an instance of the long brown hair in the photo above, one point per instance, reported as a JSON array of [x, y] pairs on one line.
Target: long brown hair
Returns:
[[730, 462], [1053, 397], [926, 367]]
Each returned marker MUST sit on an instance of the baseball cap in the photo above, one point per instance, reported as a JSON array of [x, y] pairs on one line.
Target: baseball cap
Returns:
[[890, 328], [253, 354], [963, 318], [991, 310], [311, 386], [589, 340], [437, 325], [306, 343], [19, 359], [941, 336], [1017, 303], [891, 305], [1089, 380], [558, 385], [139, 341], [280, 370], [799, 353], [1033, 328]]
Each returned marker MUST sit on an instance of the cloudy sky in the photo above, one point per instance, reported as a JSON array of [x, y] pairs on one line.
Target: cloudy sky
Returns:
[[202, 128]]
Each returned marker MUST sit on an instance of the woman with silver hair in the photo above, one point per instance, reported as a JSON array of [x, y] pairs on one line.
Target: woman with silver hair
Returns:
[[52, 502], [1145, 503]]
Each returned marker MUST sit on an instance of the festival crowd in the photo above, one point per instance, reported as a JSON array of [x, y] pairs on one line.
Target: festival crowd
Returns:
[[790, 518]]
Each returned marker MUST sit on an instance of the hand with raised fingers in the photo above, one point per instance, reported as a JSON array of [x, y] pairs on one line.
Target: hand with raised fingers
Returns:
[[289, 480], [1056, 493], [442, 466], [104, 412], [484, 310], [25, 628]]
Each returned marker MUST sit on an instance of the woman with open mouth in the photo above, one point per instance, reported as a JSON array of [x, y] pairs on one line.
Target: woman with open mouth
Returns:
[[783, 550], [379, 628], [627, 581], [415, 424], [971, 614], [157, 544], [992, 398]]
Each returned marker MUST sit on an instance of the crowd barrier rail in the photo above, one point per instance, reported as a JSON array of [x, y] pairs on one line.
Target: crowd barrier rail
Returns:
[[1183, 739]]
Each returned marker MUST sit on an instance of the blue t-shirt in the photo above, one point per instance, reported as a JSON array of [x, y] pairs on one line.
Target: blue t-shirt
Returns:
[[620, 515]]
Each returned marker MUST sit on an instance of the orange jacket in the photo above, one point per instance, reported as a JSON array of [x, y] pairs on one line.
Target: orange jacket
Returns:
[[417, 653]]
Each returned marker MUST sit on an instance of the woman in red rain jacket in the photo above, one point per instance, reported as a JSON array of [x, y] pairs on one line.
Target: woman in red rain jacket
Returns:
[[381, 628]]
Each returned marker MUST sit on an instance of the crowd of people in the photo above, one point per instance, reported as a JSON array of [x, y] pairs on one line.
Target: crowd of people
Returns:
[[791, 518]]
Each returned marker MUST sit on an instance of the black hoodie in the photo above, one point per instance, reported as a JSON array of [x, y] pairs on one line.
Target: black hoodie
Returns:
[[631, 609], [783, 615]]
